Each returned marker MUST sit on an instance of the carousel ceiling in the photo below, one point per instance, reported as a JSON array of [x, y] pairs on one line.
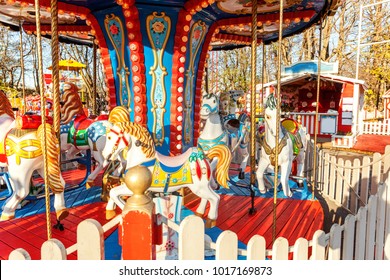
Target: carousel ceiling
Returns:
[[233, 17]]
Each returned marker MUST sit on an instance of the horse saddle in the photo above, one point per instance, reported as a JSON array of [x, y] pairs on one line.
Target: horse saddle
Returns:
[[77, 134], [292, 128], [171, 171]]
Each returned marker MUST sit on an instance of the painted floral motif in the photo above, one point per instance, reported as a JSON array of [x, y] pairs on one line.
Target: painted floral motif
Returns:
[[158, 27], [114, 29]]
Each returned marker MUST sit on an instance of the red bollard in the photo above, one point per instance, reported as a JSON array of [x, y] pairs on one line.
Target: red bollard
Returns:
[[138, 217]]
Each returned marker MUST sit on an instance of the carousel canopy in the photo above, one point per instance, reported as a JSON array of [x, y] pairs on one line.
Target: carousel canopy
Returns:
[[234, 17]]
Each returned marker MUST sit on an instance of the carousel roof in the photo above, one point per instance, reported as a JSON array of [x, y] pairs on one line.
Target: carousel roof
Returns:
[[232, 16]]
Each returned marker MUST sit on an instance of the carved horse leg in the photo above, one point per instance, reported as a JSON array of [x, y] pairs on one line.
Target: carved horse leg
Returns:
[[244, 160], [97, 155], [21, 187], [263, 165], [285, 170], [116, 199], [204, 191]]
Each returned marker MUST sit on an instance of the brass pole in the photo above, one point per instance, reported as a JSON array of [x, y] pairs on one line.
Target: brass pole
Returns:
[[22, 67], [43, 115], [277, 117], [94, 109], [55, 67], [314, 178], [252, 210]]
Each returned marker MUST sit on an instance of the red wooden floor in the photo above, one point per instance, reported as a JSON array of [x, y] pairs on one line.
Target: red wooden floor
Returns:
[[294, 218], [30, 232]]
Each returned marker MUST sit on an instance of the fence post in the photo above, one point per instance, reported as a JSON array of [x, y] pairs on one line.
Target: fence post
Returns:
[[53, 249], [19, 254], [90, 240], [138, 217]]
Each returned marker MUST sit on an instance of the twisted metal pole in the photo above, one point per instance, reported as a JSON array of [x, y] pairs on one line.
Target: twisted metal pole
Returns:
[[22, 66], [252, 210], [43, 115], [277, 117], [55, 66], [94, 109], [314, 178]]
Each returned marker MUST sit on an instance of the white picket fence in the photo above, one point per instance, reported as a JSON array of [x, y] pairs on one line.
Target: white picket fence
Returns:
[[350, 183], [377, 128], [365, 236]]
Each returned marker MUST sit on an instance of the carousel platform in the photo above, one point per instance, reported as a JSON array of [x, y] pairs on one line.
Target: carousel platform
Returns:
[[295, 217]]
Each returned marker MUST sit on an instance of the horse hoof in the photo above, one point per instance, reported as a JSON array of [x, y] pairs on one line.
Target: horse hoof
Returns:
[[198, 214], [5, 217], [62, 214], [210, 223], [110, 214], [89, 184]]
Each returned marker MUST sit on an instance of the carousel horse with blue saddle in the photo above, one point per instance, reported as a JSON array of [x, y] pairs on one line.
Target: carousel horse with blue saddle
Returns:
[[191, 169], [21, 152], [79, 132], [292, 146], [222, 126]]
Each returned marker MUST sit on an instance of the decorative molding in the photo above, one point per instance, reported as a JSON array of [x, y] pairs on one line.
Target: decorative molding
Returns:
[[158, 28], [137, 58], [115, 32], [197, 34]]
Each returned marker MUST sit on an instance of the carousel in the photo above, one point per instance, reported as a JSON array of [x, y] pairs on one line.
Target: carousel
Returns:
[[150, 153]]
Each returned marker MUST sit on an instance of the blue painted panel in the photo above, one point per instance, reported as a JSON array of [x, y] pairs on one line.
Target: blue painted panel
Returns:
[[101, 16], [144, 12]]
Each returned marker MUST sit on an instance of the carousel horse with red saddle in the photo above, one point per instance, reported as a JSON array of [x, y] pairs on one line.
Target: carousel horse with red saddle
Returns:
[[79, 132], [21, 152]]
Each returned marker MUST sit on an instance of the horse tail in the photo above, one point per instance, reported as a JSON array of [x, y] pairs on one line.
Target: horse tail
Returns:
[[222, 152], [52, 157]]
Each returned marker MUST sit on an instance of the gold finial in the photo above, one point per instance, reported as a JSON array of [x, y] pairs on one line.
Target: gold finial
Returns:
[[138, 179]]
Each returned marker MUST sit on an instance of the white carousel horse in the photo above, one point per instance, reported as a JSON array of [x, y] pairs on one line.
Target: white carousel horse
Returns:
[[7, 122], [23, 156], [234, 133], [289, 147], [80, 133], [191, 169]]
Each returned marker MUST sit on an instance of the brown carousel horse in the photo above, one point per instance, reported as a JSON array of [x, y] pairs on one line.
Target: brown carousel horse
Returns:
[[80, 133]]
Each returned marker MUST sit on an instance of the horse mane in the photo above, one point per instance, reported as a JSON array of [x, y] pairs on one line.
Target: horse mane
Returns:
[[119, 114], [271, 102], [72, 103], [142, 134], [5, 105]]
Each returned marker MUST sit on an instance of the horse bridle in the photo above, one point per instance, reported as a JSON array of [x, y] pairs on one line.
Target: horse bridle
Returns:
[[121, 137]]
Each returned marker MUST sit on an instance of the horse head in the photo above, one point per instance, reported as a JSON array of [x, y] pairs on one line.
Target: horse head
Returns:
[[116, 141], [210, 105], [131, 136], [270, 114]]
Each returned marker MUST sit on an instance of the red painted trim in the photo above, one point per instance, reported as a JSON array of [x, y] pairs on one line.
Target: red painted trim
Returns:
[[177, 87], [208, 169], [137, 58], [198, 169], [198, 94]]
